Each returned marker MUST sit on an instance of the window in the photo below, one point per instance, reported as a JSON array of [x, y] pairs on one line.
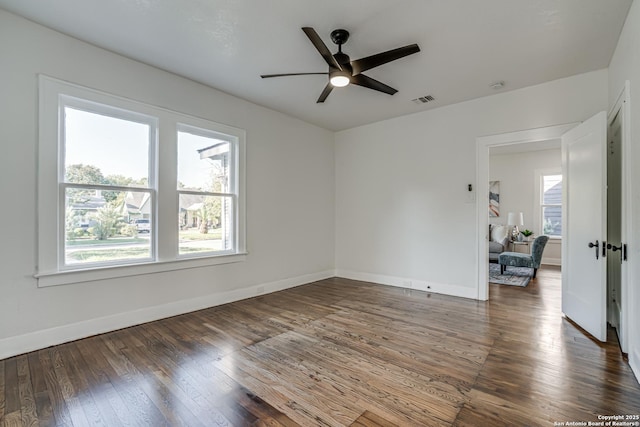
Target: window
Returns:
[[551, 204], [106, 184], [127, 188], [206, 191]]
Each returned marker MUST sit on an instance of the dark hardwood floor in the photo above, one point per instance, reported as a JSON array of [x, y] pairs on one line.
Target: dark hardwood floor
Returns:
[[336, 352]]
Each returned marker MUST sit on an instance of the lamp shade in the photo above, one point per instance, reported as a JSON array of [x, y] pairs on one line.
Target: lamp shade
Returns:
[[515, 218]]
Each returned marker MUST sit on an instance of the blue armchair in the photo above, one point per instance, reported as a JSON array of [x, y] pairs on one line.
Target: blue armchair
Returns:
[[517, 259]]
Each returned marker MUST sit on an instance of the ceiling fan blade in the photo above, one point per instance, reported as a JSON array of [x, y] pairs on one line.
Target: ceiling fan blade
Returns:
[[364, 64], [322, 48], [266, 76], [325, 92], [368, 82]]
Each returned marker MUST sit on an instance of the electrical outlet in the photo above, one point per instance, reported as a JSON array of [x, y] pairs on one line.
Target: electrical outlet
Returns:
[[260, 290], [406, 283]]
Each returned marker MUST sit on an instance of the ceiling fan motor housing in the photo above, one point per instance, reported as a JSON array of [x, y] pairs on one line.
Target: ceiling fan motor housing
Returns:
[[339, 36], [344, 61]]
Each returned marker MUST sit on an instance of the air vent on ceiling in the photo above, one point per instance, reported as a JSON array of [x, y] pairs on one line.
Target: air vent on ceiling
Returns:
[[423, 99]]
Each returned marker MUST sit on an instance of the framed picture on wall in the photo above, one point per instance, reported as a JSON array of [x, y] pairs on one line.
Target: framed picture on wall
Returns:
[[494, 198]]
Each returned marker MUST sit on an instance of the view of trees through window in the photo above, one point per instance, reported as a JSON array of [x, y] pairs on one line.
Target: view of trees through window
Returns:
[[106, 188], [205, 201], [123, 183]]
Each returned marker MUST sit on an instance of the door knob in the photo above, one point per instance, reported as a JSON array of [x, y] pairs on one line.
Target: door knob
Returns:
[[622, 248], [614, 248], [597, 246]]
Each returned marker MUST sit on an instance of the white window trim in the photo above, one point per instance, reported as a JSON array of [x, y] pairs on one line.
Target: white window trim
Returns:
[[196, 127], [119, 112], [537, 205], [48, 270]]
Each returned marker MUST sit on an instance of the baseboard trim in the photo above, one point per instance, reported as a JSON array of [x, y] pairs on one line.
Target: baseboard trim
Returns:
[[634, 362], [551, 261], [410, 283], [31, 341]]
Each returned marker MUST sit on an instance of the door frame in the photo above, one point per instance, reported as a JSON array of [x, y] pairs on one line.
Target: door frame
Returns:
[[483, 144], [621, 106]]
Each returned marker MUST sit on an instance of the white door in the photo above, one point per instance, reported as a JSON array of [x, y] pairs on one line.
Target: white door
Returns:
[[584, 297], [614, 224]]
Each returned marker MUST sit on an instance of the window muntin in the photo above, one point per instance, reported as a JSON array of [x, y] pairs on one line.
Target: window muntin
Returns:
[[551, 205]]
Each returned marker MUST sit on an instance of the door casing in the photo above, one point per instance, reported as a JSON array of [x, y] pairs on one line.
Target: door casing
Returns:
[[483, 144]]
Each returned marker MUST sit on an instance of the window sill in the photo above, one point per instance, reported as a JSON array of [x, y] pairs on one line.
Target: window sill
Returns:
[[56, 278]]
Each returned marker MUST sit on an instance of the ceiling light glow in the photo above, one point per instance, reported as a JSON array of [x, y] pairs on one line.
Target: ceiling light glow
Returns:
[[340, 78]]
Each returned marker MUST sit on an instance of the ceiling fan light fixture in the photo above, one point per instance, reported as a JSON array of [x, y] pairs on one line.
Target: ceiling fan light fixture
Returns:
[[343, 71], [340, 78]]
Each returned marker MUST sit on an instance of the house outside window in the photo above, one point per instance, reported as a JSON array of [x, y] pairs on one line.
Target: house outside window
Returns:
[[551, 204], [127, 188], [106, 183], [206, 191]]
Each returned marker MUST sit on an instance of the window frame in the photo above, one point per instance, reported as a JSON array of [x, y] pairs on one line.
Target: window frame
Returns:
[[94, 107], [50, 268], [539, 204], [233, 182]]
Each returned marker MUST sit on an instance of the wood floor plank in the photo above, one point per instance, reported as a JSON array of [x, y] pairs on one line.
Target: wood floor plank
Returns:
[[130, 380], [3, 397], [336, 352], [69, 394], [39, 388], [369, 419], [123, 393], [58, 404], [12, 397], [28, 413]]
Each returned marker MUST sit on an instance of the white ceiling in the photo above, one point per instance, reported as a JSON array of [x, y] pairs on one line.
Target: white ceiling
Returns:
[[466, 45]]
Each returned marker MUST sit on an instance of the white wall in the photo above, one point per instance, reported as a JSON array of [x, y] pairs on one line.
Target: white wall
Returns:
[[517, 176], [402, 213], [290, 196], [625, 65]]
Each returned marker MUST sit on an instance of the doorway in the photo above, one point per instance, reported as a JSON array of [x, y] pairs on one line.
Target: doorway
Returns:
[[616, 297], [483, 147]]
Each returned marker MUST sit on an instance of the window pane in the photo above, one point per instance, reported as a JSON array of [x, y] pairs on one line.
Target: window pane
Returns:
[[104, 150], [552, 190], [103, 226], [203, 163], [552, 220], [205, 224]]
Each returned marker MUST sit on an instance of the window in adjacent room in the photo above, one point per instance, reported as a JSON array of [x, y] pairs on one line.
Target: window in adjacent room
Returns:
[[551, 204]]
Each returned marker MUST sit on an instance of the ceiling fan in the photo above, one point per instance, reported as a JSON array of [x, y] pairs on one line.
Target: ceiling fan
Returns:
[[343, 71]]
